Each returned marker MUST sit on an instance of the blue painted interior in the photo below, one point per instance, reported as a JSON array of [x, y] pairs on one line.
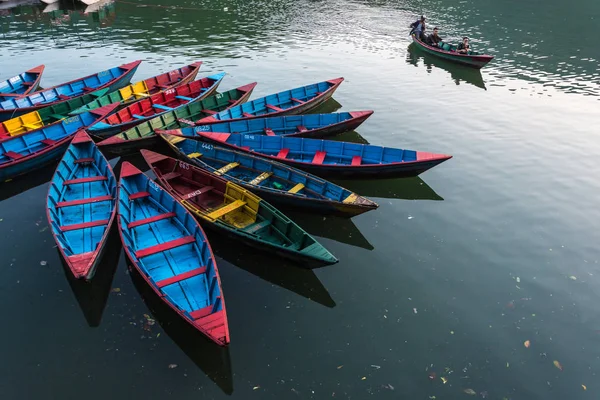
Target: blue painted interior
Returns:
[[338, 153], [281, 100], [31, 142], [283, 179], [15, 84], [190, 294], [87, 239], [70, 90], [283, 125]]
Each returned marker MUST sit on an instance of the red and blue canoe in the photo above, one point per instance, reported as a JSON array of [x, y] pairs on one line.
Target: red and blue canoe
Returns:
[[289, 102], [169, 249], [22, 84], [309, 125], [448, 52], [32, 150], [113, 79], [81, 205], [328, 158], [156, 105]]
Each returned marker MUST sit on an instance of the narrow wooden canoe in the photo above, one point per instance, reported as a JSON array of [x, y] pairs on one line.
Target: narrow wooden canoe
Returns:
[[326, 157], [148, 87], [170, 250], [448, 52], [22, 84], [143, 134], [289, 102], [32, 150], [156, 105], [81, 205], [229, 208], [44, 116], [308, 125], [113, 79], [275, 182]]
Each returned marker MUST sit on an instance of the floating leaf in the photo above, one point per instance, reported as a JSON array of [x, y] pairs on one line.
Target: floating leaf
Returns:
[[558, 365], [527, 343], [444, 380], [171, 366], [584, 387], [340, 366], [43, 229], [507, 365], [470, 392], [364, 378], [415, 310], [256, 388], [116, 290], [573, 278], [432, 375], [158, 335]]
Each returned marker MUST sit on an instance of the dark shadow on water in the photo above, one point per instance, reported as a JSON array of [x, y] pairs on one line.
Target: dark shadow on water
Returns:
[[458, 73], [212, 359], [92, 296], [351, 136], [28, 181], [282, 273], [330, 106], [401, 188], [342, 230]]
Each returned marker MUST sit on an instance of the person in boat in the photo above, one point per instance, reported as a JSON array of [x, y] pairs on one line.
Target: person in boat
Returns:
[[464, 47], [418, 28], [434, 38]]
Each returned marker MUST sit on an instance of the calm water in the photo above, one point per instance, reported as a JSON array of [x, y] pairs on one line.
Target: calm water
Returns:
[[447, 279]]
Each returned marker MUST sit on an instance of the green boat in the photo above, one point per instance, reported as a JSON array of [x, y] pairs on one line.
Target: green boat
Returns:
[[236, 212], [448, 52], [143, 134]]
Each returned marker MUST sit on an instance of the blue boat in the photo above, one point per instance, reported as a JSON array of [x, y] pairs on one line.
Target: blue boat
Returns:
[[81, 205], [326, 157], [22, 84], [272, 181], [289, 102], [113, 79], [308, 125], [169, 249], [29, 151]]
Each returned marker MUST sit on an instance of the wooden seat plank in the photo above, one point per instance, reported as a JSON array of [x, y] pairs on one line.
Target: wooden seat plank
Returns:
[[83, 225], [181, 277], [319, 157], [86, 180], [283, 153], [162, 247], [150, 220], [138, 195], [88, 200]]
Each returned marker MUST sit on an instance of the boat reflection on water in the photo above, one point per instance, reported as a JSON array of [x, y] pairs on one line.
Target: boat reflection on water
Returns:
[[61, 12], [92, 296], [284, 273], [330, 106], [398, 188], [350, 136], [458, 73], [211, 358], [23, 183]]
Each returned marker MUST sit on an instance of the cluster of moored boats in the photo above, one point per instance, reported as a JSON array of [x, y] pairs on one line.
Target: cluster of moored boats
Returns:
[[234, 158]]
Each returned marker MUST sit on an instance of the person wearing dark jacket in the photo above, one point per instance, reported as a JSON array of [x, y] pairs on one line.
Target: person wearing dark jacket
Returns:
[[418, 28], [434, 38], [463, 47]]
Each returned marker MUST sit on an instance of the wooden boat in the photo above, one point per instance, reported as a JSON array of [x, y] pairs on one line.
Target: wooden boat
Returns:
[[170, 250], [143, 134], [308, 125], [81, 205], [327, 157], [273, 181], [32, 150], [141, 89], [158, 104], [22, 84], [230, 209], [289, 102], [448, 52], [44, 116], [113, 79]]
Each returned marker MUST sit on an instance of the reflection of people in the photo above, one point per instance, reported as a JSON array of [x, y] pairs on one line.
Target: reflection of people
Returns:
[[418, 28], [434, 38], [464, 47]]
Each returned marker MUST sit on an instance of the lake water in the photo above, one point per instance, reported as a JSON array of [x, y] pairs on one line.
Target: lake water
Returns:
[[436, 292]]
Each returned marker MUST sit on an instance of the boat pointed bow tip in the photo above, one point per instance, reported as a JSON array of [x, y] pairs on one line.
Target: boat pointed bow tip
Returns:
[[195, 64], [37, 70], [248, 88], [425, 156], [110, 141], [216, 136], [336, 81], [81, 137], [359, 114], [131, 65], [81, 264], [152, 157], [104, 110], [128, 169]]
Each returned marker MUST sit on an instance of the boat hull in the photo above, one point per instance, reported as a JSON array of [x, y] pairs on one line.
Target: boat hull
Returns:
[[476, 61], [34, 162]]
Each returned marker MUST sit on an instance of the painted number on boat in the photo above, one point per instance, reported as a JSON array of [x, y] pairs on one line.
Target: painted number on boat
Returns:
[[220, 95], [203, 128], [170, 91], [154, 186], [207, 146], [103, 73], [249, 137], [71, 120], [183, 165]]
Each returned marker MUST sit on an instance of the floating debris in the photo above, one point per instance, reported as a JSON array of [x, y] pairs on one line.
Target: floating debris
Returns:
[[116, 290], [584, 387], [444, 380], [256, 388], [432, 375], [43, 263], [573, 278], [364, 378], [171, 366], [527, 343], [375, 366], [415, 310], [340, 366], [470, 392], [558, 365]]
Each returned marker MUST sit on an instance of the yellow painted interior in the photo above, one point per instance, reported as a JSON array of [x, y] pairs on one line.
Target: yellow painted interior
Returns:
[[296, 188], [191, 155], [239, 208], [351, 199], [226, 168], [24, 123], [260, 178], [135, 90]]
